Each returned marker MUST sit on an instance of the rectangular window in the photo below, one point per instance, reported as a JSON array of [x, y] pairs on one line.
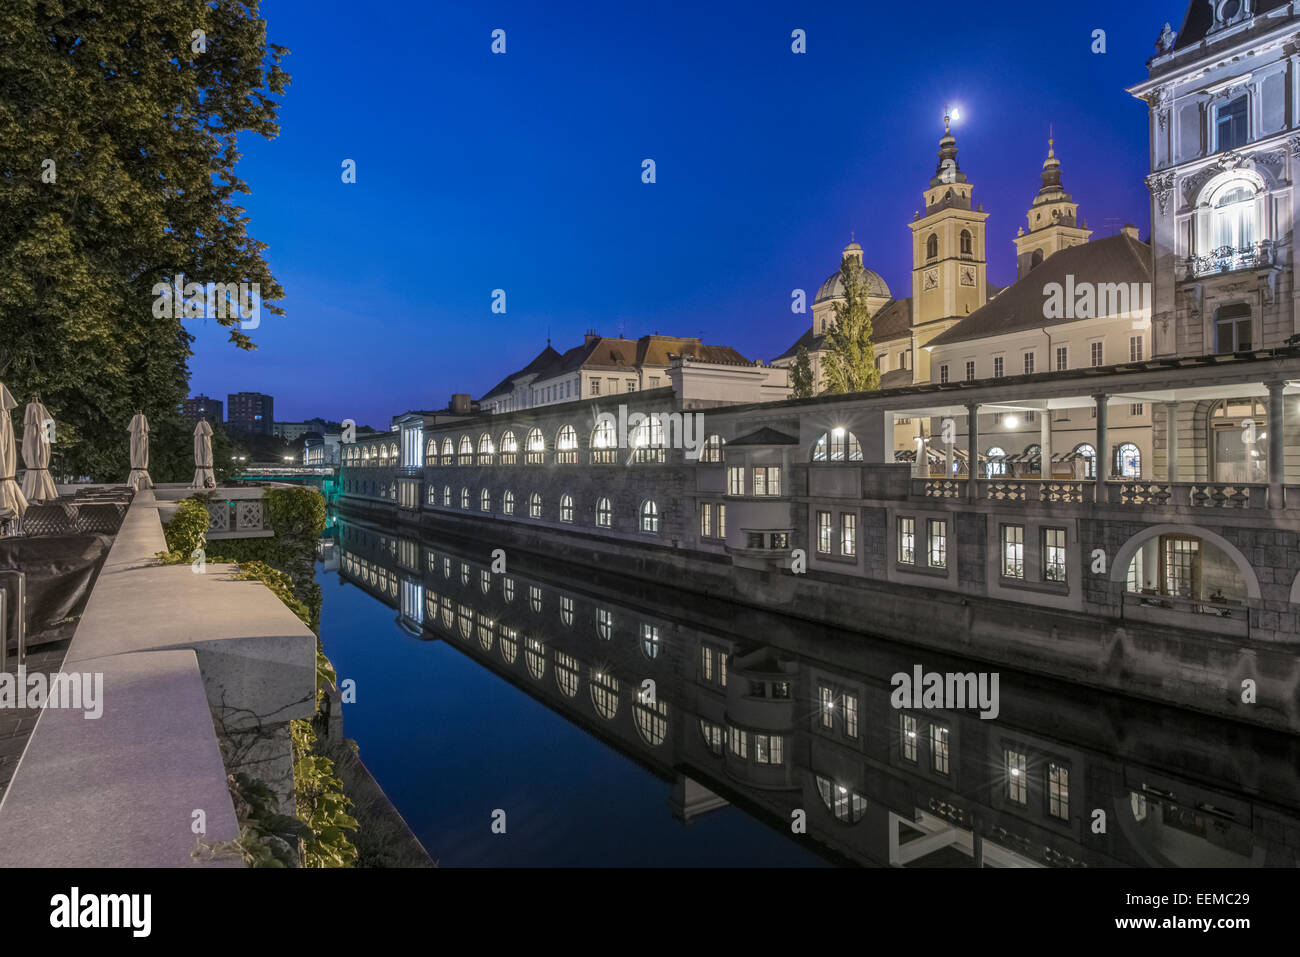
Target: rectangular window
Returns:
[[1029, 363], [1058, 791], [1136, 408], [595, 386], [1232, 335], [1013, 551], [943, 372], [997, 418], [907, 541], [735, 480], [1062, 358], [654, 382], [938, 543], [850, 716], [767, 480], [722, 521], [1134, 348], [997, 367], [631, 385], [939, 748], [848, 534], [706, 520], [612, 383], [828, 706], [824, 532], [1230, 125], [1054, 554], [970, 370], [1030, 417], [1017, 781], [1096, 353], [907, 737], [738, 741], [767, 749]]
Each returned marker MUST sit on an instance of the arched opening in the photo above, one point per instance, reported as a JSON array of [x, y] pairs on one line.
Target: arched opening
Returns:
[[995, 461], [1186, 569], [1088, 455], [932, 246], [1128, 461], [967, 244]]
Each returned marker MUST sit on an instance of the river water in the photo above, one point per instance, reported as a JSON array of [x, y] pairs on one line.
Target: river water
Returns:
[[586, 718]]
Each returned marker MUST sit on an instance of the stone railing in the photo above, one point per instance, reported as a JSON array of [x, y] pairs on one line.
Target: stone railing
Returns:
[[1188, 494], [242, 517], [1146, 494], [1220, 618]]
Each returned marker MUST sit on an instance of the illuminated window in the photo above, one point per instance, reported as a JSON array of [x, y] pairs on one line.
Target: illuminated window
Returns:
[[566, 673], [938, 542], [907, 737], [649, 517], [768, 749], [767, 480], [1017, 780], [535, 658], [566, 609], [566, 508], [605, 623], [651, 718], [535, 505], [838, 445], [534, 447], [509, 449], [711, 452], [736, 480], [713, 735], [1058, 791], [485, 501], [604, 513], [1054, 554], [650, 640], [566, 446], [824, 533], [1013, 551], [907, 541], [508, 503], [738, 742], [939, 748], [846, 806], [848, 534], [604, 693]]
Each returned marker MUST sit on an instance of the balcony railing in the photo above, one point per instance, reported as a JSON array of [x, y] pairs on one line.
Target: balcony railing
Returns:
[[1147, 494], [1229, 259]]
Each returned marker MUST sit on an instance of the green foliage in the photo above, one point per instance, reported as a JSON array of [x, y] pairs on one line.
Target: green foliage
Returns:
[[801, 375], [267, 838], [322, 805], [186, 531], [142, 130], [850, 359]]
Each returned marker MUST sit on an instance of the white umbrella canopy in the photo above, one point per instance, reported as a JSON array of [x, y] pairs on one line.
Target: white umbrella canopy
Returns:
[[37, 436], [12, 500], [203, 477], [139, 477]]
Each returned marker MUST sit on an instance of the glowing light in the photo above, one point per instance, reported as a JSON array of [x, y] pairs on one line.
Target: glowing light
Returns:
[[955, 113], [838, 432], [1011, 421]]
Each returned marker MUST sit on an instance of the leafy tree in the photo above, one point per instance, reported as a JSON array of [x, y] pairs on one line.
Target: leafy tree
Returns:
[[118, 128], [850, 359], [801, 375]]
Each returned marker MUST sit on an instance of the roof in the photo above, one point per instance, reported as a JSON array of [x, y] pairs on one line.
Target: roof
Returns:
[[1019, 307], [1200, 18], [832, 288], [891, 321], [623, 355], [764, 436]]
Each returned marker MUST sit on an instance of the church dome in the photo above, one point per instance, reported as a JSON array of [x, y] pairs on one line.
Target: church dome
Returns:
[[832, 288]]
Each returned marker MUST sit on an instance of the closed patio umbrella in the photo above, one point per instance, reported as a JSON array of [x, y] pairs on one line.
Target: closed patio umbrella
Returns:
[[203, 477], [37, 484], [13, 504], [139, 477]]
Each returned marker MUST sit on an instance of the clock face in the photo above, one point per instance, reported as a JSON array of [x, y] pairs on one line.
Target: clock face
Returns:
[[931, 278], [967, 276]]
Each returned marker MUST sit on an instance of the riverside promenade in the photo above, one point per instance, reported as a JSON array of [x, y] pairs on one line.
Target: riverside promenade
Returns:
[[201, 674]]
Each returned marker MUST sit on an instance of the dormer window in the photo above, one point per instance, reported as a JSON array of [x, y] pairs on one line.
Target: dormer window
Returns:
[[1230, 126], [1230, 12]]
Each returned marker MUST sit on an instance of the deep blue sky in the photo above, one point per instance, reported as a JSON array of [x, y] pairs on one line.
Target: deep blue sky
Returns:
[[523, 172]]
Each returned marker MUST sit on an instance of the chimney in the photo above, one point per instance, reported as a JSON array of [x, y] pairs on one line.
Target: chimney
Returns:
[[1130, 231], [591, 336], [460, 404]]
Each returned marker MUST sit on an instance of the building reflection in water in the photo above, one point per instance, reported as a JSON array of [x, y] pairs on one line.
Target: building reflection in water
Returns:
[[793, 723]]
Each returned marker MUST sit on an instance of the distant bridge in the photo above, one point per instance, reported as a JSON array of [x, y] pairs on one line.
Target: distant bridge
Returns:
[[324, 477]]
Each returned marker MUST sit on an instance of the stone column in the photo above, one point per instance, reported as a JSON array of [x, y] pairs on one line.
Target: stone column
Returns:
[[1276, 443], [1171, 441], [1045, 444], [972, 449], [1101, 464]]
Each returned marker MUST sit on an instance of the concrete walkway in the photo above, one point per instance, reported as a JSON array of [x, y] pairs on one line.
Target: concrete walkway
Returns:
[[182, 655]]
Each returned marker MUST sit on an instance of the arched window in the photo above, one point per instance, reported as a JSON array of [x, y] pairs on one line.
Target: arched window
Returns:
[[566, 508], [711, 453], [1232, 224], [566, 673], [465, 453], [649, 517], [534, 447], [651, 642], [508, 503], [465, 621], [535, 505], [647, 440], [508, 645], [448, 452], [604, 623], [566, 446], [847, 806], [651, 718], [485, 501], [604, 513], [995, 461], [431, 452], [446, 496], [509, 448], [1089, 455], [604, 693], [1128, 461], [392, 451], [837, 445], [932, 246], [535, 658], [966, 243], [464, 498], [1036, 259], [485, 449]]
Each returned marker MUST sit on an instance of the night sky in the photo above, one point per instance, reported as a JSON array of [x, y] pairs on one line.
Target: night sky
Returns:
[[523, 172]]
